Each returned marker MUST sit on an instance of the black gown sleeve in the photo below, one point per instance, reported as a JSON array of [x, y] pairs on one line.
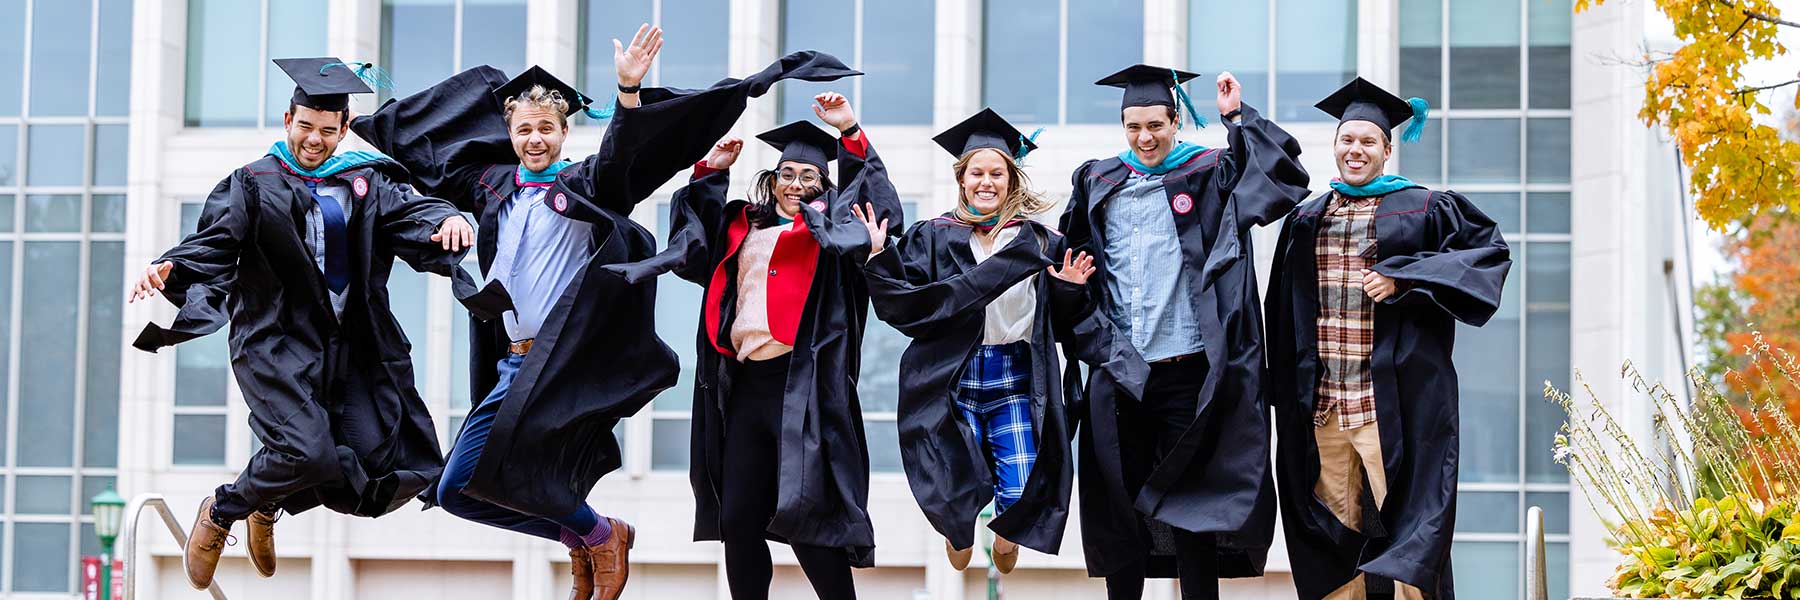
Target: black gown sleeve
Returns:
[[1465, 270], [837, 230], [205, 265], [696, 217], [909, 294], [446, 135], [1263, 175]]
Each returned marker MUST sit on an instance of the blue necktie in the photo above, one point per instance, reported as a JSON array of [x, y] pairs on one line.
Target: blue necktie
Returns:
[[337, 262]]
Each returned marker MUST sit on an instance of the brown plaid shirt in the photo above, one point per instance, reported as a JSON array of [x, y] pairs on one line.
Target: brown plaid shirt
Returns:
[[1346, 246]]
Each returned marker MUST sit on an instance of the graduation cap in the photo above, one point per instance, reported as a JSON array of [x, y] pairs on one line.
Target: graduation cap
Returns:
[[324, 83], [536, 76], [1146, 85], [986, 129], [801, 141], [1360, 100]]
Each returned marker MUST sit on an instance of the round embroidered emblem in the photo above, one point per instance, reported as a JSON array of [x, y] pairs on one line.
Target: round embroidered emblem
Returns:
[[560, 202], [818, 205], [360, 186], [1182, 203]]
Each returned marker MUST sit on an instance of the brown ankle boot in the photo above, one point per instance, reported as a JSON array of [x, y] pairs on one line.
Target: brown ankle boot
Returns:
[[581, 566], [612, 565], [206, 540], [262, 542]]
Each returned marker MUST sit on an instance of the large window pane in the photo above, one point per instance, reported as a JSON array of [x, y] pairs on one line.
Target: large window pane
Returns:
[[1315, 54], [1487, 512], [60, 34], [416, 43], [199, 440], [1487, 368], [110, 155], [41, 562], [47, 397], [1549, 30], [1421, 49], [221, 57], [1484, 53], [108, 214], [603, 21], [59, 213], [884, 446], [112, 93], [897, 50], [58, 154], [296, 29], [100, 423], [1104, 36], [703, 56], [406, 296], [1020, 62], [1547, 359], [9, 157], [92, 485], [824, 25], [1548, 212], [1490, 569], [493, 34], [1502, 207], [1423, 161], [12, 56], [1242, 48], [6, 327], [1547, 150], [669, 444], [42, 495], [677, 312], [1484, 151], [1556, 510]]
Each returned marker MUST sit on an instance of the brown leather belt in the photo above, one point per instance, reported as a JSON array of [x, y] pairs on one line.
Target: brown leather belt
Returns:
[[519, 347]]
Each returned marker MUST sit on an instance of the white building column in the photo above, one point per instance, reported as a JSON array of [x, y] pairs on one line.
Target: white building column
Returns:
[[1377, 42], [1165, 33], [552, 37]]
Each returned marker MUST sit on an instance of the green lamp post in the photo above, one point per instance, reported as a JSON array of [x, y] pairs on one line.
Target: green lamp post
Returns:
[[109, 509]]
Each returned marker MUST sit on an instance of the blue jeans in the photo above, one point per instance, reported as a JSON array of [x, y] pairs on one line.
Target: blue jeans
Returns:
[[467, 452]]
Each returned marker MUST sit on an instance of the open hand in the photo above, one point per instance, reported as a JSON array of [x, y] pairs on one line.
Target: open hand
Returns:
[[152, 280], [877, 231], [634, 61], [1075, 268], [724, 153]]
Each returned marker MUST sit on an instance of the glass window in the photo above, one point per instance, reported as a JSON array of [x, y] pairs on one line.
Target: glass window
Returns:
[[12, 56], [6, 327], [1421, 49], [199, 440], [59, 58], [1487, 361], [52, 280], [106, 300], [296, 28], [824, 25], [108, 214], [603, 21], [677, 315], [897, 57], [1242, 48], [1556, 510], [1492, 567], [41, 495], [1020, 66], [1423, 161], [1487, 512], [1549, 211], [493, 33], [1548, 54], [53, 213], [110, 155], [1484, 53], [407, 290], [703, 55], [112, 78], [9, 156], [1484, 151], [1502, 207], [92, 486], [1315, 54], [45, 564], [418, 43], [1103, 37], [669, 444], [218, 65], [1547, 150], [58, 153]]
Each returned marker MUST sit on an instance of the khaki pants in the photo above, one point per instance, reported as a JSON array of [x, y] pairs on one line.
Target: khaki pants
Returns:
[[1345, 457]]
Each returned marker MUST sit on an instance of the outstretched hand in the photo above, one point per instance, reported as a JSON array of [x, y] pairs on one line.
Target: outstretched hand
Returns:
[[633, 62], [877, 231], [1075, 268], [724, 153]]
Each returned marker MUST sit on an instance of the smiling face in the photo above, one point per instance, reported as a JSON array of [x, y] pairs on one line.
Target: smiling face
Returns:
[[986, 181], [1150, 132], [312, 134], [537, 135], [794, 183], [1362, 151]]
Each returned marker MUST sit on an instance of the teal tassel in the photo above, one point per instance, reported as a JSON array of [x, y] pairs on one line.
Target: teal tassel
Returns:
[[1188, 102], [376, 77], [1421, 115], [598, 114], [1024, 149]]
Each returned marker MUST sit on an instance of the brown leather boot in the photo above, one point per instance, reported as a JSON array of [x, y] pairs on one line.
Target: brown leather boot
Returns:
[[262, 542], [1006, 555], [582, 567], [206, 540], [612, 564]]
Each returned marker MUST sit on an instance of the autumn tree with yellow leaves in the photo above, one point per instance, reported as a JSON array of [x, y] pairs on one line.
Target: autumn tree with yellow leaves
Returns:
[[1739, 169]]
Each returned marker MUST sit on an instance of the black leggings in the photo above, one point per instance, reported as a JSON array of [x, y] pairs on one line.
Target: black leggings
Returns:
[[752, 420], [1148, 430]]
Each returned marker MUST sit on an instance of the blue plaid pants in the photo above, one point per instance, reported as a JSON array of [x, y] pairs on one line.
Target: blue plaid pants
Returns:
[[994, 396]]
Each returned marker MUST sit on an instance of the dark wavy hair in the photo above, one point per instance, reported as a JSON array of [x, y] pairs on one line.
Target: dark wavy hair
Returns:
[[763, 212]]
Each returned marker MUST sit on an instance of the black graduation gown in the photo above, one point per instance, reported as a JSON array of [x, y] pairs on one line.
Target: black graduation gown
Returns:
[[1451, 263], [248, 264], [929, 287], [1216, 479], [552, 440], [823, 492]]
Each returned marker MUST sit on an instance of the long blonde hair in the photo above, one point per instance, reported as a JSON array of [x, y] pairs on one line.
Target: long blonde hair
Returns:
[[1019, 202]]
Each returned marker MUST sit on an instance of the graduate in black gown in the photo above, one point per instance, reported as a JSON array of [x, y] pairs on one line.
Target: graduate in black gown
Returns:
[[293, 251], [1370, 279], [1173, 428], [778, 446], [985, 292]]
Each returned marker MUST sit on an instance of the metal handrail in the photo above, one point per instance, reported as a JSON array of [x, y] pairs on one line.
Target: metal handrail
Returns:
[[1537, 579], [128, 540]]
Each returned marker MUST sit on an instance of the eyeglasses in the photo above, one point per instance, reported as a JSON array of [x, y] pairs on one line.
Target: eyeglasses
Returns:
[[808, 178]]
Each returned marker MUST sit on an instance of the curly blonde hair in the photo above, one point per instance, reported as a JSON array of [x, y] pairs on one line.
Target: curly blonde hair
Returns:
[[1020, 201], [543, 98]]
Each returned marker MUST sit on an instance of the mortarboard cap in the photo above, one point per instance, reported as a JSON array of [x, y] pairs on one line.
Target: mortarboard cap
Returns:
[[323, 83], [1360, 100], [535, 76], [1146, 85], [986, 129], [804, 142]]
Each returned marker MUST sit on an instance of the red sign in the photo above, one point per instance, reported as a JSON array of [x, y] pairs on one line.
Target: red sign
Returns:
[[90, 578]]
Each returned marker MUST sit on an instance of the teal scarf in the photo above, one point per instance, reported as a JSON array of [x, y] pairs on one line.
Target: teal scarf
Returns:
[[332, 166], [1381, 186], [548, 175], [988, 222], [1182, 153]]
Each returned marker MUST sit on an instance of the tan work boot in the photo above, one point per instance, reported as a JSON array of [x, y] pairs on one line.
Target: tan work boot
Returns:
[[262, 542], [1006, 555], [612, 564], [206, 540], [582, 567], [959, 559]]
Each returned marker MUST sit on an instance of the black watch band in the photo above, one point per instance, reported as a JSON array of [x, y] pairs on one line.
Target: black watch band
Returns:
[[854, 128], [623, 89], [1235, 113]]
